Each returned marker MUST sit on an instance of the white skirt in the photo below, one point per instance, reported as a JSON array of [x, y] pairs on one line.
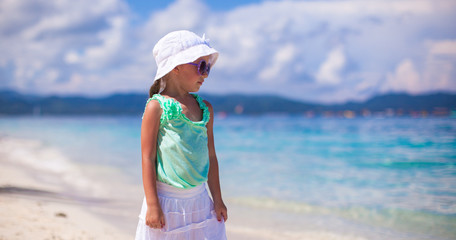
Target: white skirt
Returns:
[[189, 214]]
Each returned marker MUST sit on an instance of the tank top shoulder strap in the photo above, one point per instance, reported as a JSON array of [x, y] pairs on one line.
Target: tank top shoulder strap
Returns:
[[203, 106], [156, 97], [171, 109]]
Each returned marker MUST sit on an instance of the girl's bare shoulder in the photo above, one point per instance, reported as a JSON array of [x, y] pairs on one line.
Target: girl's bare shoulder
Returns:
[[152, 109], [208, 104]]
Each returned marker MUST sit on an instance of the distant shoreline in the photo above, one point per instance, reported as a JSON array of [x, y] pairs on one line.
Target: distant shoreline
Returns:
[[388, 105]]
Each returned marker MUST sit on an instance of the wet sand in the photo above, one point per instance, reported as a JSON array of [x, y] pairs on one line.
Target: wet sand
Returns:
[[33, 210]]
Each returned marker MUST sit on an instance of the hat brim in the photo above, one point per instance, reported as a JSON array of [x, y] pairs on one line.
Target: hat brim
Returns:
[[186, 56]]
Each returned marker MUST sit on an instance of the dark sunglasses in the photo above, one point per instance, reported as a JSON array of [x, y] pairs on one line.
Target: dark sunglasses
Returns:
[[203, 67]]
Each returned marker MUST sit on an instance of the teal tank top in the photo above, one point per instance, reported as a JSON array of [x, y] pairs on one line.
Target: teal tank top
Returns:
[[182, 152]]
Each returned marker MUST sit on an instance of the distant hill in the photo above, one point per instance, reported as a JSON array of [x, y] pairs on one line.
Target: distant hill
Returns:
[[403, 101], [13, 103], [258, 104]]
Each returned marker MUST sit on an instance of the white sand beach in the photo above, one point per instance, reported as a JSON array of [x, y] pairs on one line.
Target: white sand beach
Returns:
[[31, 210], [37, 199]]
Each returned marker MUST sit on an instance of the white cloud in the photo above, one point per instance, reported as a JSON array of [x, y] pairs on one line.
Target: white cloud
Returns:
[[440, 68], [313, 50], [39, 38], [111, 44], [276, 68], [437, 74], [330, 70], [444, 47], [72, 57], [182, 14], [405, 78]]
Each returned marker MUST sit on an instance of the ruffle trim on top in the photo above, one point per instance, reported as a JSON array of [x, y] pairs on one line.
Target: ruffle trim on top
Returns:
[[172, 109]]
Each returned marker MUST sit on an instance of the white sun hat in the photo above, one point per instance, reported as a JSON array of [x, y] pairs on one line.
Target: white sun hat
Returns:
[[180, 47]]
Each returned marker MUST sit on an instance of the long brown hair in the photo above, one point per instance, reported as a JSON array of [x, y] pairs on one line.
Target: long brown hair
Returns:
[[155, 88], [159, 84]]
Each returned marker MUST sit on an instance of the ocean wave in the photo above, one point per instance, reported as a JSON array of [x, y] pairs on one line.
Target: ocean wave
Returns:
[[48, 165]]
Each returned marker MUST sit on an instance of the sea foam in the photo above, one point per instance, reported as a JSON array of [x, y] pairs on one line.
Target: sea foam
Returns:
[[48, 165]]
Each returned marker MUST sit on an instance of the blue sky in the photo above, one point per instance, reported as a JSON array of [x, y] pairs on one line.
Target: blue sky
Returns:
[[315, 50], [144, 7]]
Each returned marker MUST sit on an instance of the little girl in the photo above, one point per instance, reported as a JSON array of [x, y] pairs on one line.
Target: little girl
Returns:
[[177, 145]]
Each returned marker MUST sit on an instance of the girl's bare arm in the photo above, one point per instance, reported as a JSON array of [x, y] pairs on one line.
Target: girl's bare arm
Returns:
[[149, 132], [213, 176]]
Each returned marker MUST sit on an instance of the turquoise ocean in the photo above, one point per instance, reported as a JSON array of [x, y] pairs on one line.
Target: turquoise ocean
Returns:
[[381, 178]]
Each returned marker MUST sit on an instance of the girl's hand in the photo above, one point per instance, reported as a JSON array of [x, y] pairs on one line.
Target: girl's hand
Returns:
[[155, 217], [221, 211]]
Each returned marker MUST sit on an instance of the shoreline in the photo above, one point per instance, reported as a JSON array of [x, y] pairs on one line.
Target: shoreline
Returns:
[[62, 200], [33, 210]]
